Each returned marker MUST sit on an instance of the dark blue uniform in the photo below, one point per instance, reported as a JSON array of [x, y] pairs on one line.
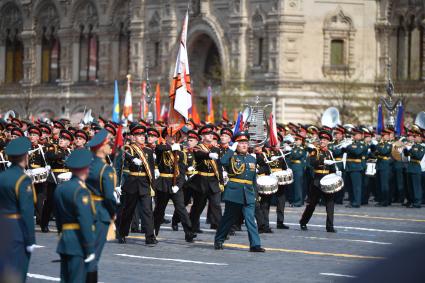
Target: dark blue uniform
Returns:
[[298, 164], [75, 214], [17, 199], [383, 170], [101, 182], [239, 194], [354, 169], [416, 153]]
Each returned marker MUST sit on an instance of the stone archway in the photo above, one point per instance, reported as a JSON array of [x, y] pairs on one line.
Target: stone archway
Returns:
[[205, 63]]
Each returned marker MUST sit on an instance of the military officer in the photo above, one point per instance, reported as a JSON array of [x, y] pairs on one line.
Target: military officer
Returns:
[[172, 170], [416, 153], [297, 157], [101, 182], [208, 181], [354, 167], [17, 197], [322, 164], [138, 186], [75, 214], [240, 192], [383, 167], [55, 156], [81, 138]]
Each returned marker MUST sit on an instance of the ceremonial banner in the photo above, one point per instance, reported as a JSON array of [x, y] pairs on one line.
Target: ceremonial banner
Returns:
[[399, 126], [210, 115], [116, 107], [180, 91], [380, 125], [128, 104], [157, 102], [274, 141]]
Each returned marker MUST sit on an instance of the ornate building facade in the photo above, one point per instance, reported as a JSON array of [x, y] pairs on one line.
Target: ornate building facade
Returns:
[[58, 57]]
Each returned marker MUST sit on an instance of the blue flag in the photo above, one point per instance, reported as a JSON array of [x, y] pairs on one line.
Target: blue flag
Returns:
[[236, 129], [399, 126], [116, 108], [380, 125]]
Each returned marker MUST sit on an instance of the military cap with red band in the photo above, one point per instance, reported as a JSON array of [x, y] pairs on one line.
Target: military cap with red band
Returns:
[[227, 131], [81, 134], [45, 128], [241, 136], [153, 132], [34, 130], [65, 134], [138, 130], [111, 129], [207, 129], [17, 132], [58, 124], [193, 135], [325, 135]]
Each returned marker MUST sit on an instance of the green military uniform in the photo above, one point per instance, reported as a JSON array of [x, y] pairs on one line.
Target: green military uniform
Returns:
[[416, 153], [298, 159], [75, 212], [383, 169], [101, 182], [354, 169], [239, 195], [17, 197]]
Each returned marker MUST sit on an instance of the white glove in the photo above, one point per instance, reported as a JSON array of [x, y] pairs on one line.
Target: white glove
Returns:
[[91, 257], [118, 190], [408, 147], [213, 155], [175, 189], [345, 145], [311, 146], [190, 168], [338, 173], [117, 197], [374, 142], [329, 162], [156, 173], [254, 155], [9, 164], [137, 161], [48, 167], [234, 146], [30, 249], [287, 148], [175, 147], [274, 158]]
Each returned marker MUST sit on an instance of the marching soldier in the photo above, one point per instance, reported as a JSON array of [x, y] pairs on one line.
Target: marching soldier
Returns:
[[138, 186], [383, 168], [416, 153], [208, 182], [75, 213], [354, 167], [297, 158], [55, 157], [192, 140], [101, 182], [172, 170], [240, 193], [319, 160], [337, 152], [17, 197], [81, 138]]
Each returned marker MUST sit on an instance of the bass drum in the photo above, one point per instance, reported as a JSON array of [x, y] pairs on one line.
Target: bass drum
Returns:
[[63, 177], [331, 183], [284, 177], [267, 185]]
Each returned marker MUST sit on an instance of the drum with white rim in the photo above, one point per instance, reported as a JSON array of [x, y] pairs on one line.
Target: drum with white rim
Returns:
[[331, 183], [284, 177], [267, 185], [38, 175]]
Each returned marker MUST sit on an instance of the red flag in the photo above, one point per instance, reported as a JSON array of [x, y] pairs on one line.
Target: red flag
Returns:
[[157, 102], [274, 141], [225, 117], [195, 114], [119, 139]]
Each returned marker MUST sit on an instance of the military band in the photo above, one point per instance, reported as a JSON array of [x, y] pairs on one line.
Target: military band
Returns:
[[192, 166]]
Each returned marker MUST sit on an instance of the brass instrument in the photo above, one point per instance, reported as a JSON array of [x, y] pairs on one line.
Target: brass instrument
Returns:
[[330, 117]]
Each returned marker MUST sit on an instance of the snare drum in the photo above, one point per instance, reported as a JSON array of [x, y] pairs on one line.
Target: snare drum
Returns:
[[63, 177], [38, 175], [267, 185], [371, 168], [284, 177], [331, 183]]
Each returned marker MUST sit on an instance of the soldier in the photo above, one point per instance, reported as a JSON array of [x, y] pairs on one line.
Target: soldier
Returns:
[[55, 157], [101, 182], [75, 212], [240, 193], [192, 140], [383, 168], [138, 186], [297, 158], [36, 160], [208, 182], [320, 159], [16, 133], [172, 170], [335, 148], [354, 167], [81, 138], [46, 132], [17, 198], [58, 126], [416, 153]]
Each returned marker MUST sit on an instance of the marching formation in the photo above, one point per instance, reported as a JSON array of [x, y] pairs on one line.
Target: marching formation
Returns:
[[94, 177]]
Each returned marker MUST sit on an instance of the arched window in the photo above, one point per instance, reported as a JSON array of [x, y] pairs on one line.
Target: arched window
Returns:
[[12, 49], [47, 27], [86, 22], [259, 41]]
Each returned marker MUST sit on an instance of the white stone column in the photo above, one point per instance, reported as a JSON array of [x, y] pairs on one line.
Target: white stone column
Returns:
[[38, 64]]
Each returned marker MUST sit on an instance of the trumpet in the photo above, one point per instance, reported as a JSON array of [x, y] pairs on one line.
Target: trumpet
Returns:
[[345, 142]]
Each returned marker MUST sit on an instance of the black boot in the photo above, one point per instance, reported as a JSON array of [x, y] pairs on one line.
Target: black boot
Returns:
[[91, 277], [189, 236], [174, 225], [280, 225], [218, 246]]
